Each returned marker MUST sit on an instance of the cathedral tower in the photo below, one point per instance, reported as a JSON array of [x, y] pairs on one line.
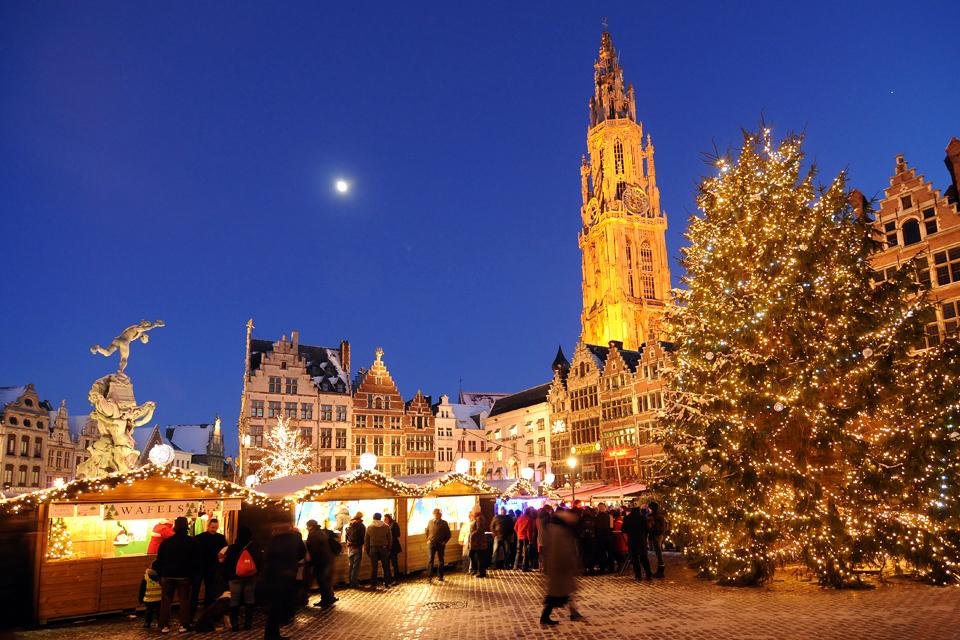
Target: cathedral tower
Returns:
[[626, 275]]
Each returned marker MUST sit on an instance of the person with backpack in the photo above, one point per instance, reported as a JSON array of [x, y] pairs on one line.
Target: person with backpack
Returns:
[[241, 566], [637, 531], [657, 525], [438, 535], [320, 548]]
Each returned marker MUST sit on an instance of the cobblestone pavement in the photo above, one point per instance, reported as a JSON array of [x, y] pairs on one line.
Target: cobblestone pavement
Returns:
[[506, 605]]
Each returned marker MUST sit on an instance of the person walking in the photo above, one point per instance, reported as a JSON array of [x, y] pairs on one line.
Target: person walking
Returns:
[[396, 548], [604, 538], [241, 567], [209, 545], [658, 529], [377, 544], [636, 529], [150, 595], [176, 563], [355, 536], [438, 535], [282, 560], [544, 514], [561, 565], [522, 528], [478, 543], [321, 562], [502, 528]]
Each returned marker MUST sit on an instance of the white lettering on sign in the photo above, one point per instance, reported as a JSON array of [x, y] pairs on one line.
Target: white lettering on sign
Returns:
[[154, 510]]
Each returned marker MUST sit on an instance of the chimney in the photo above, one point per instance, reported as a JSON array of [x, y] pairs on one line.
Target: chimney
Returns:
[[345, 357], [295, 339], [859, 203], [953, 166]]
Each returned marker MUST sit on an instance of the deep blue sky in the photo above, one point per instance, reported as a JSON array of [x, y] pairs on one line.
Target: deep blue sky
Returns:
[[175, 160]]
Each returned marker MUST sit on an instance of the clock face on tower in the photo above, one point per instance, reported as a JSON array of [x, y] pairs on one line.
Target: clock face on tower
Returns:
[[635, 200]]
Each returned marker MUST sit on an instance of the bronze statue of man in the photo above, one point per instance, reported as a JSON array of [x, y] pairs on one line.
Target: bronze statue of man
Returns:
[[122, 342]]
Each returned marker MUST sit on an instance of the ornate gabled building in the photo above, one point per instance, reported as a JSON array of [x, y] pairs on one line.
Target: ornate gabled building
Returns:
[[400, 434], [61, 448], [25, 432], [915, 221], [626, 274], [308, 384]]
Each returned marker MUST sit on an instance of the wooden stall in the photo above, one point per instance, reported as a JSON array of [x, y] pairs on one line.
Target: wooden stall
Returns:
[[332, 499], [520, 494], [89, 541], [455, 495]]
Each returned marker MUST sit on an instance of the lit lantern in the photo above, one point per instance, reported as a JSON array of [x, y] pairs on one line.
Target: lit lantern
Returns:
[[462, 466], [549, 478], [368, 461], [526, 473], [161, 455]]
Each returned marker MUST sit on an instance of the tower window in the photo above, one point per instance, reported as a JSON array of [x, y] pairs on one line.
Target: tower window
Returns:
[[906, 202], [646, 267], [621, 187], [930, 220], [890, 229], [618, 161], [629, 253]]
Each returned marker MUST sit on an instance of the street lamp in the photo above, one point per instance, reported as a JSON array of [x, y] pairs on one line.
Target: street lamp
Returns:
[[572, 464], [527, 473], [462, 466], [368, 461]]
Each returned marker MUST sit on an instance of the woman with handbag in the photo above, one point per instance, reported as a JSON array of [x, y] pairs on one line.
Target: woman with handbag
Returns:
[[241, 566]]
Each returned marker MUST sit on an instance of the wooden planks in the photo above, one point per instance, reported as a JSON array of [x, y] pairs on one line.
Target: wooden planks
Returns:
[[120, 580], [68, 588]]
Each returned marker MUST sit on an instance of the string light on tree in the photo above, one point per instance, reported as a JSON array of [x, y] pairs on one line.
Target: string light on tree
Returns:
[[863, 467], [284, 453], [60, 543]]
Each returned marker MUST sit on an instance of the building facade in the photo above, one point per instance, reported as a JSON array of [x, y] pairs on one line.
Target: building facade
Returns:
[[916, 222], [25, 432], [518, 431], [401, 434], [626, 275], [308, 384]]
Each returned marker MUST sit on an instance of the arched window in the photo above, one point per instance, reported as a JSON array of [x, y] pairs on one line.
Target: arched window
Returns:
[[629, 250], [378, 404], [646, 269], [911, 232], [618, 158]]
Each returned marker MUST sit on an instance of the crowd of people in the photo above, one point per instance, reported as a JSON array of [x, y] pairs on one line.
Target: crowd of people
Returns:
[[562, 542]]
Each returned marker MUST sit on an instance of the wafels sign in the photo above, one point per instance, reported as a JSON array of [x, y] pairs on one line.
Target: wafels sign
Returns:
[[146, 510]]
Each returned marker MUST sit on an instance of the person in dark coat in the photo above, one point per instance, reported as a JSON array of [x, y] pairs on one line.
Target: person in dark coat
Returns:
[[561, 565], [321, 562], [438, 535], [356, 534], [176, 564], [502, 528], [209, 545], [242, 588], [282, 560], [396, 547], [604, 539], [478, 544], [377, 544], [658, 530], [636, 530]]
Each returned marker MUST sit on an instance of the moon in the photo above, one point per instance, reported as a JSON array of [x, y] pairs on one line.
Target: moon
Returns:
[[341, 185]]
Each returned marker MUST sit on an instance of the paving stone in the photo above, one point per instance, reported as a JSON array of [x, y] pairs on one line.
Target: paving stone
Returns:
[[507, 605]]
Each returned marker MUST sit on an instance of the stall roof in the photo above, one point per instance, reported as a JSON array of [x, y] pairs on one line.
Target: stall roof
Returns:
[[616, 491], [90, 490], [355, 485], [457, 484], [584, 492]]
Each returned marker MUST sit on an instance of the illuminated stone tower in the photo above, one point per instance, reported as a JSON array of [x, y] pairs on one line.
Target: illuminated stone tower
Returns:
[[626, 275]]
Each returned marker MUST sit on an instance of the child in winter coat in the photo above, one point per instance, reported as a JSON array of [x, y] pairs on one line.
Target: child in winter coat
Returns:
[[149, 595]]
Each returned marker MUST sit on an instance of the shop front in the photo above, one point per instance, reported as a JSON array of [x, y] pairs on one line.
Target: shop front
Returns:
[[93, 539]]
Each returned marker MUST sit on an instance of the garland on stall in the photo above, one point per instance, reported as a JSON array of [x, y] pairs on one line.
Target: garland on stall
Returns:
[[70, 490], [375, 477], [524, 489], [473, 482]]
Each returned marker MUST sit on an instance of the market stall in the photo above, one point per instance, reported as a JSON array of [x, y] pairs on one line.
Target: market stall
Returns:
[[332, 499], [455, 494], [521, 493], [90, 541]]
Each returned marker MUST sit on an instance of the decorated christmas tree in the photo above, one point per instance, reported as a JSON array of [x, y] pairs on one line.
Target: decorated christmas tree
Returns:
[[284, 454], [802, 424], [59, 543]]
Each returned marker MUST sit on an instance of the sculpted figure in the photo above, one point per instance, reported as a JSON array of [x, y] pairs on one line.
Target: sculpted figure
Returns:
[[122, 342]]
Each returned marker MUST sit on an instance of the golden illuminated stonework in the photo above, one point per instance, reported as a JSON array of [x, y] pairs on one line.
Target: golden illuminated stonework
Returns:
[[626, 275]]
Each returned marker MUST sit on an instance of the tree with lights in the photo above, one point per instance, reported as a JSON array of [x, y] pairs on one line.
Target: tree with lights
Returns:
[[802, 424], [60, 543], [285, 454]]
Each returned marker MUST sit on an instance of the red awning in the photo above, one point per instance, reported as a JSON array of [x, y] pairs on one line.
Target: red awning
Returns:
[[582, 493], [617, 492]]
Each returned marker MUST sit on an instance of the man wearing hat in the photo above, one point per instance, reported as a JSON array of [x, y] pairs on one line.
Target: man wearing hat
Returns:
[[356, 533]]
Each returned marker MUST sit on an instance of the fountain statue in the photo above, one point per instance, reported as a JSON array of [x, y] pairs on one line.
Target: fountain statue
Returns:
[[115, 409]]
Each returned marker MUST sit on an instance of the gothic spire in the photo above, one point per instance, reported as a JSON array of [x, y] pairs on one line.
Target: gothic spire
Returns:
[[611, 99]]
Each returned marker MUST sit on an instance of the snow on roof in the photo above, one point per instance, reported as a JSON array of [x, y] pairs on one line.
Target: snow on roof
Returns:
[[464, 413], [78, 423], [141, 435], [291, 484], [189, 437], [480, 398], [10, 394]]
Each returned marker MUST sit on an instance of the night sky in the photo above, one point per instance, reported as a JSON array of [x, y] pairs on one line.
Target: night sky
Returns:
[[176, 160]]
